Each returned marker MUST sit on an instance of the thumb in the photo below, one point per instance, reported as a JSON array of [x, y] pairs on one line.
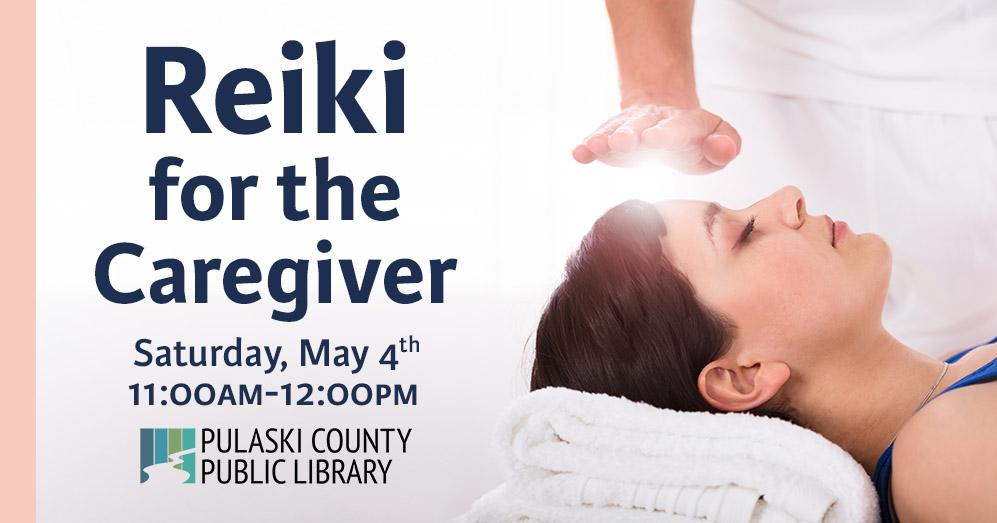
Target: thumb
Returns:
[[723, 145]]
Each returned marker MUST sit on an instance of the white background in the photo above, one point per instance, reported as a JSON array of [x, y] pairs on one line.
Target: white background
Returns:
[[497, 94]]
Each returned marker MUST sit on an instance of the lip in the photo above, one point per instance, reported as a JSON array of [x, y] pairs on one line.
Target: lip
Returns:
[[837, 230], [840, 231], [830, 228]]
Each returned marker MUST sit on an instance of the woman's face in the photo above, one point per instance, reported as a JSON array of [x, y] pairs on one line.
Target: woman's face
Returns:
[[789, 281]]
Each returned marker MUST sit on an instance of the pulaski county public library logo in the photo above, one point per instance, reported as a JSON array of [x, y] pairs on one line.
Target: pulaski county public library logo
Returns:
[[270, 455], [167, 456]]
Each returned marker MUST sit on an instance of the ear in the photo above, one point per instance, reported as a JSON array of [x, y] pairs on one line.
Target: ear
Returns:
[[730, 387]]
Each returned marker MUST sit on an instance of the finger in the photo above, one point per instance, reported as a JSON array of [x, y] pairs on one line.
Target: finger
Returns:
[[583, 154], [682, 131], [689, 161], [723, 145], [626, 137], [700, 165], [598, 142]]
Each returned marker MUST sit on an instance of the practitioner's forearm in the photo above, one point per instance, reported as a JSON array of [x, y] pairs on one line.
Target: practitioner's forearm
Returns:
[[653, 41]]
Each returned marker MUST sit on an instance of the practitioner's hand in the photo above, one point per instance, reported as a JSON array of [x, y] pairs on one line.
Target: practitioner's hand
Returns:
[[692, 141]]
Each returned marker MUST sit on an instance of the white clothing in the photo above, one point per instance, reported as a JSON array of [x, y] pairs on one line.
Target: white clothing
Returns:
[[914, 55]]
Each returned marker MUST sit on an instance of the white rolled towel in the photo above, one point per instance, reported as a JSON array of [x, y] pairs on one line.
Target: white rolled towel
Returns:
[[575, 457]]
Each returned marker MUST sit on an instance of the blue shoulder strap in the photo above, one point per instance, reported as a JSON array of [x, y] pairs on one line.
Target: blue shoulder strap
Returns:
[[884, 466]]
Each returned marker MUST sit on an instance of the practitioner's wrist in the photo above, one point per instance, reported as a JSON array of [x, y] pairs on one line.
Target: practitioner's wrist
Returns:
[[683, 97]]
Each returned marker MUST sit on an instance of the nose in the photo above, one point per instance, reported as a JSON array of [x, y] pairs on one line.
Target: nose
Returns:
[[787, 205]]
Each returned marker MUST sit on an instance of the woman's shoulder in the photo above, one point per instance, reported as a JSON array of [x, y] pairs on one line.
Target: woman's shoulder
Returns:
[[944, 458], [954, 356]]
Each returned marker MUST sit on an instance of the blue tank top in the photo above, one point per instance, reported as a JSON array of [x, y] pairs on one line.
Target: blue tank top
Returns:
[[881, 477]]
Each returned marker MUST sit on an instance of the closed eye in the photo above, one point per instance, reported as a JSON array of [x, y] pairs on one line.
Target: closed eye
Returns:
[[745, 233]]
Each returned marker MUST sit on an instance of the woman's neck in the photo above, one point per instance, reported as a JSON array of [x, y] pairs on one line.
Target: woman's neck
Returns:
[[862, 396]]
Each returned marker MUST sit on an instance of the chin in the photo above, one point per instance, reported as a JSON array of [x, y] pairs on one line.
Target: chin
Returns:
[[880, 249], [879, 261]]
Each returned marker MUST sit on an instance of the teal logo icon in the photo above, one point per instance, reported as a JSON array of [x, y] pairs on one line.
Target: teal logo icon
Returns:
[[167, 456]]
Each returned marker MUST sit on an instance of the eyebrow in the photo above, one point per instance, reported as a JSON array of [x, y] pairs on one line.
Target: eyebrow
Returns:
[[709, 218]]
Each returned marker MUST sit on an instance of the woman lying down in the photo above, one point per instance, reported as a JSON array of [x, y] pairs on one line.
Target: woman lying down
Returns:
[[691, 306]]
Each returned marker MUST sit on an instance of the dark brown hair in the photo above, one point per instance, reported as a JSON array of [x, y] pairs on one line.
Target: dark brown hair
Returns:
[[625, 322]]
